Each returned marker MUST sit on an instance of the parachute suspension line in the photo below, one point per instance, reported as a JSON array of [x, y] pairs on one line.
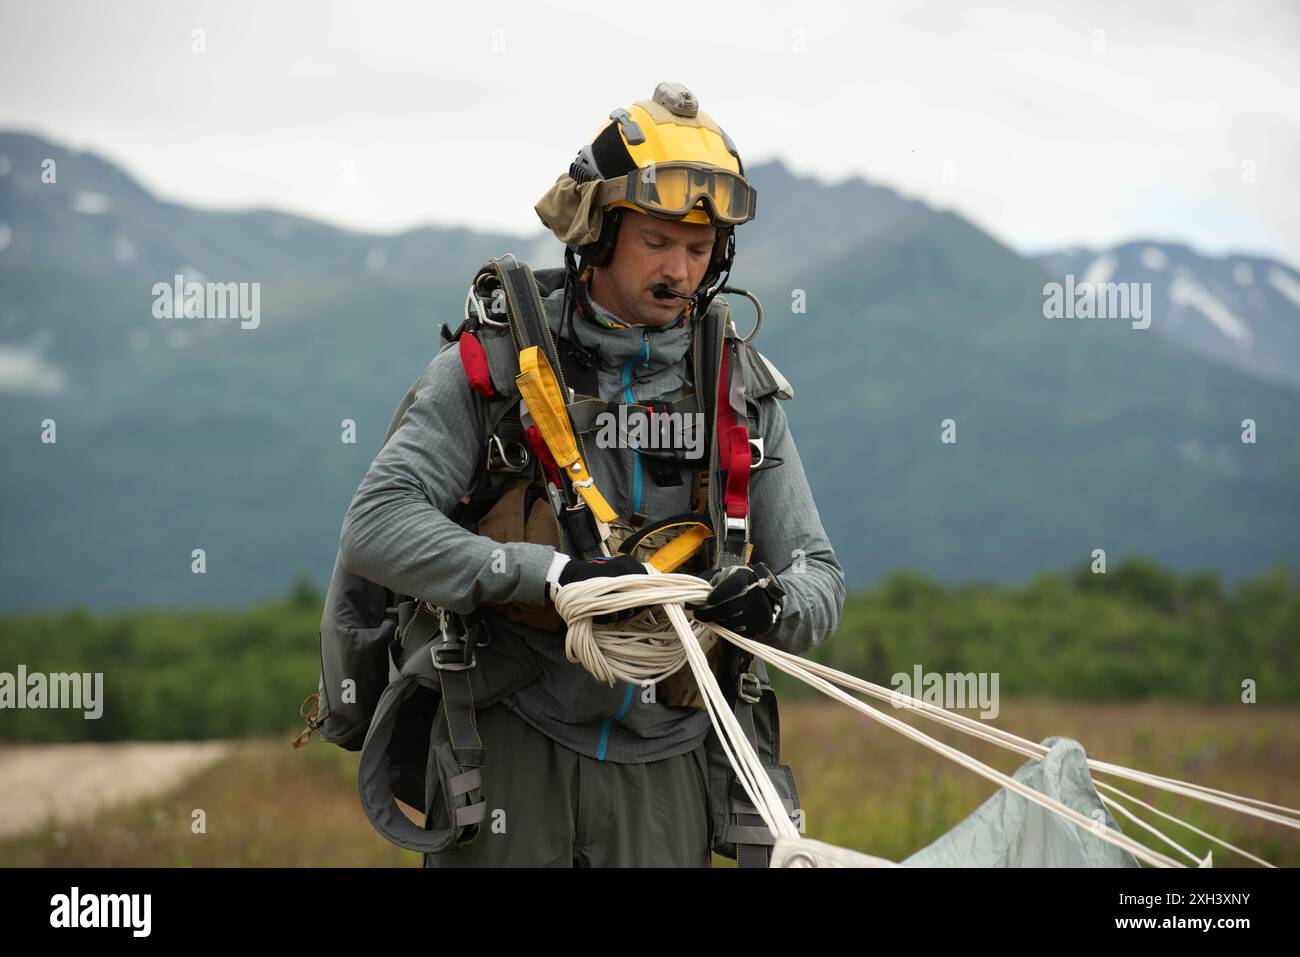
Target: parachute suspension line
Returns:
[[644, 649], [1169, 817], [1096, 828], [1029, 748], [1199, 862]]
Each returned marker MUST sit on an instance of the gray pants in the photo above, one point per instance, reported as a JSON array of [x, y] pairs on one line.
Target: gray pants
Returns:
[[552, 807]]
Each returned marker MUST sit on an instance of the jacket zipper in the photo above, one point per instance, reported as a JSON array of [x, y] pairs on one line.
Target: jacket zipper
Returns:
[[630, 396]]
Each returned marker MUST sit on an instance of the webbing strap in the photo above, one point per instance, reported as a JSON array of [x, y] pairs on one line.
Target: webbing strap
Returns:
[[374, 778], [541, 392], [458, 709], [525, 305], [724, 387], [745, 807], [747, 831], [733, 447], [751, 839], [457, 771], [464, 783], [681, 549], [672, 555]]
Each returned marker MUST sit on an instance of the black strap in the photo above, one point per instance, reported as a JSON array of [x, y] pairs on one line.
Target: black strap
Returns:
[[745, 827], [580, 372], [527, 319], [460, 773], [752, 838], [466, 746], [706, 351], [584, 409]]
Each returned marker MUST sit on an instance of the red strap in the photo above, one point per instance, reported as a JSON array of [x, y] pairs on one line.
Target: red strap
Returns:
[[733, 448], [474, 360], [538, 445], [737, 497]]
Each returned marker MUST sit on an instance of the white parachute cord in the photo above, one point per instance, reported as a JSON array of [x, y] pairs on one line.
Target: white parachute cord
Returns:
[[1029, 748], [1010, 741], [758, 786], [1179, 787], [1202, 789], [1111, 802], [643, 651], [604, 595], [1191, 827], [1092, 826]]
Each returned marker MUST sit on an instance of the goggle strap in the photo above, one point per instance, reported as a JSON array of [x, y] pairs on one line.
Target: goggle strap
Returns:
[[612, 190]]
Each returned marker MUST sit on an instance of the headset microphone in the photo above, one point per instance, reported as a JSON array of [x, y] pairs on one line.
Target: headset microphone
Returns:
[[661, 291]]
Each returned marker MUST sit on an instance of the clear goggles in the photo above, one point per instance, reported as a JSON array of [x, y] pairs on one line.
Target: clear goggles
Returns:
[[671, 190]]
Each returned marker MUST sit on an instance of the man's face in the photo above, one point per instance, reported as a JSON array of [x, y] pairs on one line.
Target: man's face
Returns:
[[651, 251]]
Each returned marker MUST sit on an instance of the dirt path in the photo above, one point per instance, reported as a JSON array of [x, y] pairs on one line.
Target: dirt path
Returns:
[[67, 782]]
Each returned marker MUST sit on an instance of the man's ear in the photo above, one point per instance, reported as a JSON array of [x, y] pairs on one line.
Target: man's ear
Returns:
[[601, 252]]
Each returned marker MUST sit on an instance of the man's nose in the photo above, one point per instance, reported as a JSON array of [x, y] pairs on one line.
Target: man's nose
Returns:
[[675, 265]]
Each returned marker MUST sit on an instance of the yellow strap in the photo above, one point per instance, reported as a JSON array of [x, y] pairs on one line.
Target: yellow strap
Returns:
[[541, 392], [671, 556]]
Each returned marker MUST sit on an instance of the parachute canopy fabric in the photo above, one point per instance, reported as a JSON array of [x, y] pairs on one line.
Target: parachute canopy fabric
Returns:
[[1009, 831]]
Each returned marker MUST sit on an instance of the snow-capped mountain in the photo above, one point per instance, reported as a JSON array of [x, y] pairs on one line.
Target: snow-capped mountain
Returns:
[[1239, 309]]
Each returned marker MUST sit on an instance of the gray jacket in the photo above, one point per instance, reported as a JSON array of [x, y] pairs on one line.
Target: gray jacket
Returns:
[[397, 533]]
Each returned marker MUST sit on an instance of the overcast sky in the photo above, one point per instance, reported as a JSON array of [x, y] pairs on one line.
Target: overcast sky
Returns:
[[1046, 124]]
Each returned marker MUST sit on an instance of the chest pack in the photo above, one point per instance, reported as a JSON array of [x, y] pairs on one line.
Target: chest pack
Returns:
[[391, 665]]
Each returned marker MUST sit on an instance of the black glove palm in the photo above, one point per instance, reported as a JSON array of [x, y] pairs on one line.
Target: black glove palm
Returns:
[[745, 599]]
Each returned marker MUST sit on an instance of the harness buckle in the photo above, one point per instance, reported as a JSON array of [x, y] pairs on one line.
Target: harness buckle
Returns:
[[733, 535], [756, 447], [749, 687], [453, 651]]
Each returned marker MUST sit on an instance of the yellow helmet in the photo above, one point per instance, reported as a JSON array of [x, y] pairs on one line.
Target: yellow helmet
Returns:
[[661, 157], [689, 169]]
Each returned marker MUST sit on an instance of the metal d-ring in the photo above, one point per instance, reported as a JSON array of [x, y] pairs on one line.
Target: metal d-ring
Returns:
[[494, 442], [471, 297]]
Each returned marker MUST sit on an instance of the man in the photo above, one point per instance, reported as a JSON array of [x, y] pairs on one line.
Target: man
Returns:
[[578, 773]]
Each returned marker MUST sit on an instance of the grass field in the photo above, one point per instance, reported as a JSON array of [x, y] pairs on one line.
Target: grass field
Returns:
[[861, 785]]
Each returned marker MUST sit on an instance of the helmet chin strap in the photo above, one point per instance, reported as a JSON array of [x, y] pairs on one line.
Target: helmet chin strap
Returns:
[[704, 298], [572, 285]]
